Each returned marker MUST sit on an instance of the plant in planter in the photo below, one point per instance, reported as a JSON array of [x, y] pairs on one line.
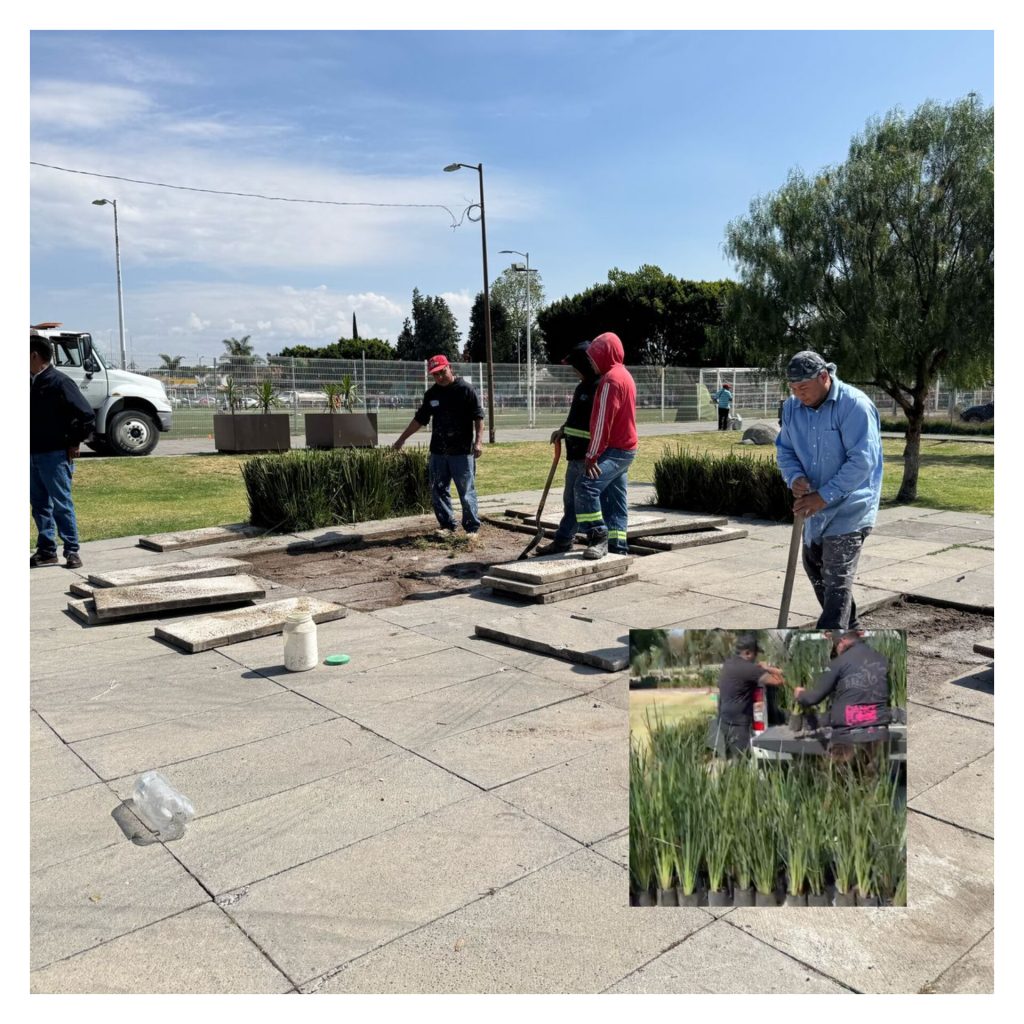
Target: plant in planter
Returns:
[[789, 795], [815, 823], [641, 844], [719, 841], [840, 849], [863, 845], [740, 802], [336, 429], [763, 852], [251, 432]]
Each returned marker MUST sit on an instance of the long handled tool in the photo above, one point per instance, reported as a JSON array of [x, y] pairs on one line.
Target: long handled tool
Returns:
[[544, 497], [794, 549]]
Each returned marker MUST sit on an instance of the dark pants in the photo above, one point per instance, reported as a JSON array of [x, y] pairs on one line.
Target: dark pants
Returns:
[[723, 418], [831, 565], [49, 487], [443, 469]]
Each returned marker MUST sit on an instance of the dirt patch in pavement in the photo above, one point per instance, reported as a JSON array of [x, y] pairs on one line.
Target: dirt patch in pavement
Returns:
[[383, 574], [940, 641]]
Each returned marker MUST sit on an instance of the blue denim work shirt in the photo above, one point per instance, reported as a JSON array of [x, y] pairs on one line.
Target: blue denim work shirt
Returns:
[[838, 447]]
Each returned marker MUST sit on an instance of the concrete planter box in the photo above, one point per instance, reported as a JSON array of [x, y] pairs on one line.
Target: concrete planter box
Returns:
[[341, 430], [252, 432]]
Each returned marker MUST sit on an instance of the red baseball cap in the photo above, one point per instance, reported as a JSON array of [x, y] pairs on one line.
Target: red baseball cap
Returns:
[[436, 363]]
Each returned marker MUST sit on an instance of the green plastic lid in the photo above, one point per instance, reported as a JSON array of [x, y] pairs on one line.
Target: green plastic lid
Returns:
[[336, 659]]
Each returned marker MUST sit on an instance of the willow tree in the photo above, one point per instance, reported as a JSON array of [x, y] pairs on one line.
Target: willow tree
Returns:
[[883, 264]]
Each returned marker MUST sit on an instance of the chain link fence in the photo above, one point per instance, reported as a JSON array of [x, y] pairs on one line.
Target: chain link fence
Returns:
[[393, 390]]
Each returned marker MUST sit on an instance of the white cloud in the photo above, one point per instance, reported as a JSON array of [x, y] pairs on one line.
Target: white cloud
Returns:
[[85, 105]]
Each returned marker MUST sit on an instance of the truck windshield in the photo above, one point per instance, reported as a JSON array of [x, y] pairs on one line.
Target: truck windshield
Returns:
[[67, 350]]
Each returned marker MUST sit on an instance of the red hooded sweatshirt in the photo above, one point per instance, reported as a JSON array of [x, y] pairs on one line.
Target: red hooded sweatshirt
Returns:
[[613, 416]]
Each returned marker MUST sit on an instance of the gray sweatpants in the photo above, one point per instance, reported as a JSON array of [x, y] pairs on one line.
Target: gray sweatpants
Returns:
[[830, 566]]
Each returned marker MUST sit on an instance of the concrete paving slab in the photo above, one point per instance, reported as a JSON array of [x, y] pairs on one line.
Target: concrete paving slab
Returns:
[[940, 744], [199, 951], [972, 590], [161, 598], [600, 643], [899, 513], [81, 708], [765, 588], [351, 693], [136, 750], [238, 846], [972, 520], [963, 557], [908, 576], [222, 629], [674, 561], [903, 548], [195, 568], [660, 611], [110, 893], [419, 721], [52, 841], [697, 539], [554, 568], [920, 529], [505, 751], [970, 695], [81, 590], [240, 775], [707, 961], [965, 798], [615, 849], [740, 616], [345, 904], [972, 973], [586, 798], [549, 932], [568, 593], [529, 515], [520, 587], [54, 769], [950, 909], [195, 538], [246, 548], [615, 693]]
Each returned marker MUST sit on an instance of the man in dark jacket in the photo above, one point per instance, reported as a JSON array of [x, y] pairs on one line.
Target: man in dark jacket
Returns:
[[857, 681], [59, 420], [455, 443], [737, 680], [576, 434]]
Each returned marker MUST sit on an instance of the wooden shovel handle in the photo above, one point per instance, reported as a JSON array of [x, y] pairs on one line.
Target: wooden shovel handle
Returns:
[[795, 539]]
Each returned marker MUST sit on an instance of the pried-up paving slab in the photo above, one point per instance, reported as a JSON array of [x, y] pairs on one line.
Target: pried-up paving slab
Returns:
[[635, 520], [232, 627], [580, 590], [536, 589], [158, 598], [193, 569], [551, 568], [674, 541], [600, 643], [194, 538]]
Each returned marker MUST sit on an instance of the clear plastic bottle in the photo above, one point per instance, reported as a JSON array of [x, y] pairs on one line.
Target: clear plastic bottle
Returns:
[[160, 806], [300, 652]]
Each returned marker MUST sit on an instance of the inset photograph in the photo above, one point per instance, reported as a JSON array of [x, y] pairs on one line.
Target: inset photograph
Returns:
[[767, 768]]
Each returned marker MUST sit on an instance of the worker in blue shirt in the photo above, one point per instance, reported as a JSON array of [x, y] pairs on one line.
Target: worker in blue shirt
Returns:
[[830, 455], [724, 399]]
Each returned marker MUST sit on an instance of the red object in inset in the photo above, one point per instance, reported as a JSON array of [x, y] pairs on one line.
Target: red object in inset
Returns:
[[759, 709]]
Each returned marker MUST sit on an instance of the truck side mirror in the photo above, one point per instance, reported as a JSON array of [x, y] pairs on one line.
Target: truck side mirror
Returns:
[[89, 363]]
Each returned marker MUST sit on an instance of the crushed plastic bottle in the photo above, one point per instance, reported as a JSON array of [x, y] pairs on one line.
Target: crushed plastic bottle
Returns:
[[161, 807]]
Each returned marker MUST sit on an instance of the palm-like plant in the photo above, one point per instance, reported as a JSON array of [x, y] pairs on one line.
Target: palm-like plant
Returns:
[[349, 390], [266, 396], [232, 394], [332, 395]]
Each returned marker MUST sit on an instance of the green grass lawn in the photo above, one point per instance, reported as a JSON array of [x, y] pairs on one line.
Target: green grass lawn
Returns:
[[119, 497], [668, 707]]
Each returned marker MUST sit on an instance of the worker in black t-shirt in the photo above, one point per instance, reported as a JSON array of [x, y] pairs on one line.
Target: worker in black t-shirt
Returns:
[[455, 443], [738, 678]]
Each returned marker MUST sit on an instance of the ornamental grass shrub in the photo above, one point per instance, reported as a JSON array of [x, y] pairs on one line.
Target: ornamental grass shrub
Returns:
[[306, 489], [731, 484], [939, 426], [802, 826]]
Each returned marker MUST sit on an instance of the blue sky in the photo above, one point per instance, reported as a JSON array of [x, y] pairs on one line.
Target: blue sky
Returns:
[[600, 150]]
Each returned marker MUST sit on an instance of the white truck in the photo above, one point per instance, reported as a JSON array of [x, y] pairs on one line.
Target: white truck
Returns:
[[131, 409]]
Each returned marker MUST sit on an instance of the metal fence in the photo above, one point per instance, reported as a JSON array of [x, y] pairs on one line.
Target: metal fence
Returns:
[[393, 390]]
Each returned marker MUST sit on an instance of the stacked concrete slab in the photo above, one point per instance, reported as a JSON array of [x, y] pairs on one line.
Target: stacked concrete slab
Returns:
[[551, 578]]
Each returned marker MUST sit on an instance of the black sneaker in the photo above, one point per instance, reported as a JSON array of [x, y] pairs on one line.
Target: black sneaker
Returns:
[[73, 561], [597, 544], [554, 547], [39, 558]]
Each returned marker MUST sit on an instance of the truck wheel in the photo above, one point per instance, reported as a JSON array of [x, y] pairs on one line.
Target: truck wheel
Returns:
[[99, 447], [131, 432]]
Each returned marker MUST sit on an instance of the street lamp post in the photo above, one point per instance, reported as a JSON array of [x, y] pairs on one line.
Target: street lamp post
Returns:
[[120, 296], [479, 168], [530, 382]]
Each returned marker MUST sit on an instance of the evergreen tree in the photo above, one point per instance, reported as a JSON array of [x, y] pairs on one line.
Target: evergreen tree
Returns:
[[503, 335]]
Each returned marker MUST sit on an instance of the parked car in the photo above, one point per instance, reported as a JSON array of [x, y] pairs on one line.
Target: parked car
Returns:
[[979, 413]]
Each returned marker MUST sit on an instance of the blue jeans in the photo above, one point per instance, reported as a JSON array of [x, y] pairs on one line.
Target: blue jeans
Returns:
[[568, 527], [592, 496], [443, 469], [49, 490]]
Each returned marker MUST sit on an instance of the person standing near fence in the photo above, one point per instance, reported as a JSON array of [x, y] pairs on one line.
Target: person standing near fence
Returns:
[[724, 400], [59, 420], [612, 448], [456, 442], [830, 455]]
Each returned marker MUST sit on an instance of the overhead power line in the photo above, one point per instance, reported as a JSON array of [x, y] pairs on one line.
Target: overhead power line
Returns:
[[252, 195]]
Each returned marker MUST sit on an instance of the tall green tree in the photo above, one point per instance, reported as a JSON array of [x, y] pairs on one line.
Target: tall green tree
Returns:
[[509, 288], [343, 348], [170, 363], [503, 335], [432, 331], [883, 264], [355, 329]]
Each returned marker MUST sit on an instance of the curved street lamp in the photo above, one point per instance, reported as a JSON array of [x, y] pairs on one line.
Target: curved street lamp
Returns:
[[120, 296], [479, 168], [530, 382]]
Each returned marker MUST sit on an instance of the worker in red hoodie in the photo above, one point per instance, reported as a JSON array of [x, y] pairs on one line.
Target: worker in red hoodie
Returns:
[[613, 442]]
